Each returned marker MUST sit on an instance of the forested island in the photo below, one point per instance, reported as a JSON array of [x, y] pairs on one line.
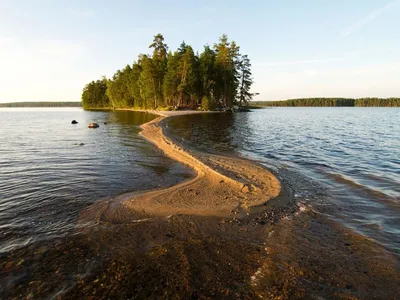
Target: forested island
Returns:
[[41, 104], [220, 76], [332, 102]]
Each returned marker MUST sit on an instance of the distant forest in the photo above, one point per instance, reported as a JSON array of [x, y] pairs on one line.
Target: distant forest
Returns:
[[332, 102], [41, 104], [220, 76]]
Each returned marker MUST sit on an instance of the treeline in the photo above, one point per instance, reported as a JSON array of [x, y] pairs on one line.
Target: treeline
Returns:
[[332, 102], [381, 102], [41, 104], [217, 77]]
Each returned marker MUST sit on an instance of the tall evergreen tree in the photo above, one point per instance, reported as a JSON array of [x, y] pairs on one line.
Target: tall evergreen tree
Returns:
[[207, 75], [245, 81], [118, 88], [134, 87], [160, 66], [226, 63], [148, 82], [187, 77], [171, 80]]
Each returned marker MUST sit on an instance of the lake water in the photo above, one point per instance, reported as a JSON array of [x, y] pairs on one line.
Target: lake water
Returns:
[[340, 167], [343, 162], [47, 177]]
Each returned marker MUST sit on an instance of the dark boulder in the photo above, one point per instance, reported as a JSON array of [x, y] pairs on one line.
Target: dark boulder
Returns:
[[74, 122]]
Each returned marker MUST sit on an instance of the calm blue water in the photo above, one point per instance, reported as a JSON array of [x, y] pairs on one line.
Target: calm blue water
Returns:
[[47, 177], [343, 162]]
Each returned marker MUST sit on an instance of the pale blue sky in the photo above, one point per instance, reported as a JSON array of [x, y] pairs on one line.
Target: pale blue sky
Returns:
[[49, 49]]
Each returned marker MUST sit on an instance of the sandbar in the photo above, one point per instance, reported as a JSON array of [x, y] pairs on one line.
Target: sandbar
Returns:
[[222, 185]]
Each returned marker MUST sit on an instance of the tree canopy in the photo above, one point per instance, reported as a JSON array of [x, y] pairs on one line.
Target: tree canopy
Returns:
[[95, 94], [217, 77]]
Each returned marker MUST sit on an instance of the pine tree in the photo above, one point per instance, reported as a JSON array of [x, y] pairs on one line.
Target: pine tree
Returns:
[[246, 81], [226, 65], [171, 80], [148, 83], [133, 85], [187, 77], [207, 74], [118, 88], [160, 66]]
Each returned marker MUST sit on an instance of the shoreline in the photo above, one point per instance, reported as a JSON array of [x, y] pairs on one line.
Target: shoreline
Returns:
[[222, 186]]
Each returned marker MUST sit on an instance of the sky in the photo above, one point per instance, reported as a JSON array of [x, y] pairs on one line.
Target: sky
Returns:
[[49, 49]]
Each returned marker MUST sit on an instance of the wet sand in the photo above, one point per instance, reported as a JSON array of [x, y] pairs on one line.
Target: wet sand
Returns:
[[231, 232]]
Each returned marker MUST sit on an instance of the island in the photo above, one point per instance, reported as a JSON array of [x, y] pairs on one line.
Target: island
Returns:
[[218, 77]]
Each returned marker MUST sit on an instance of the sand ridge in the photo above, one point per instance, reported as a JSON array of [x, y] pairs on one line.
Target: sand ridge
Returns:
[[222, 185]]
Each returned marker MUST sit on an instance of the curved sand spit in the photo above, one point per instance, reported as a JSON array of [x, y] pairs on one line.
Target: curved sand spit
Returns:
[[237, 185]]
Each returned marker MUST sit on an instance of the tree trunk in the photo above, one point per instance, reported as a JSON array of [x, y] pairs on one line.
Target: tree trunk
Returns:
[[155, 95], [241, 91]]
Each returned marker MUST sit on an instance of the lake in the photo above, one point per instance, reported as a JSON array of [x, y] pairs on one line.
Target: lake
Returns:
[[338, 237]]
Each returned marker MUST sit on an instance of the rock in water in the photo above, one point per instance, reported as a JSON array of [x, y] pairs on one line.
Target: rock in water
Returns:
[[93, 125], [74, 122]]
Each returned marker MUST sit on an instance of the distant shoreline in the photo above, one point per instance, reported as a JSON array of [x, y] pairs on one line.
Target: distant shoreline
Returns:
[[41, 104], [330, 102]]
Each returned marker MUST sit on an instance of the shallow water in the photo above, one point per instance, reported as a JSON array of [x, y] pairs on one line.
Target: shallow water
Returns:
[[343, 162], [47, 177]]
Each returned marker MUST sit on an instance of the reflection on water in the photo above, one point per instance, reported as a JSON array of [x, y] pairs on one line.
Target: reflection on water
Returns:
[[207, 132]]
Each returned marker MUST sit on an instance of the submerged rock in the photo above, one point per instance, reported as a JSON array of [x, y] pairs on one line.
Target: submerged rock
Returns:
[[74, 122], [93, 125]]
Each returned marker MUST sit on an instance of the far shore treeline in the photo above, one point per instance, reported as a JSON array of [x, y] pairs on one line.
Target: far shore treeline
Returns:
[[332, 102], [41, 104], [220, 76]]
